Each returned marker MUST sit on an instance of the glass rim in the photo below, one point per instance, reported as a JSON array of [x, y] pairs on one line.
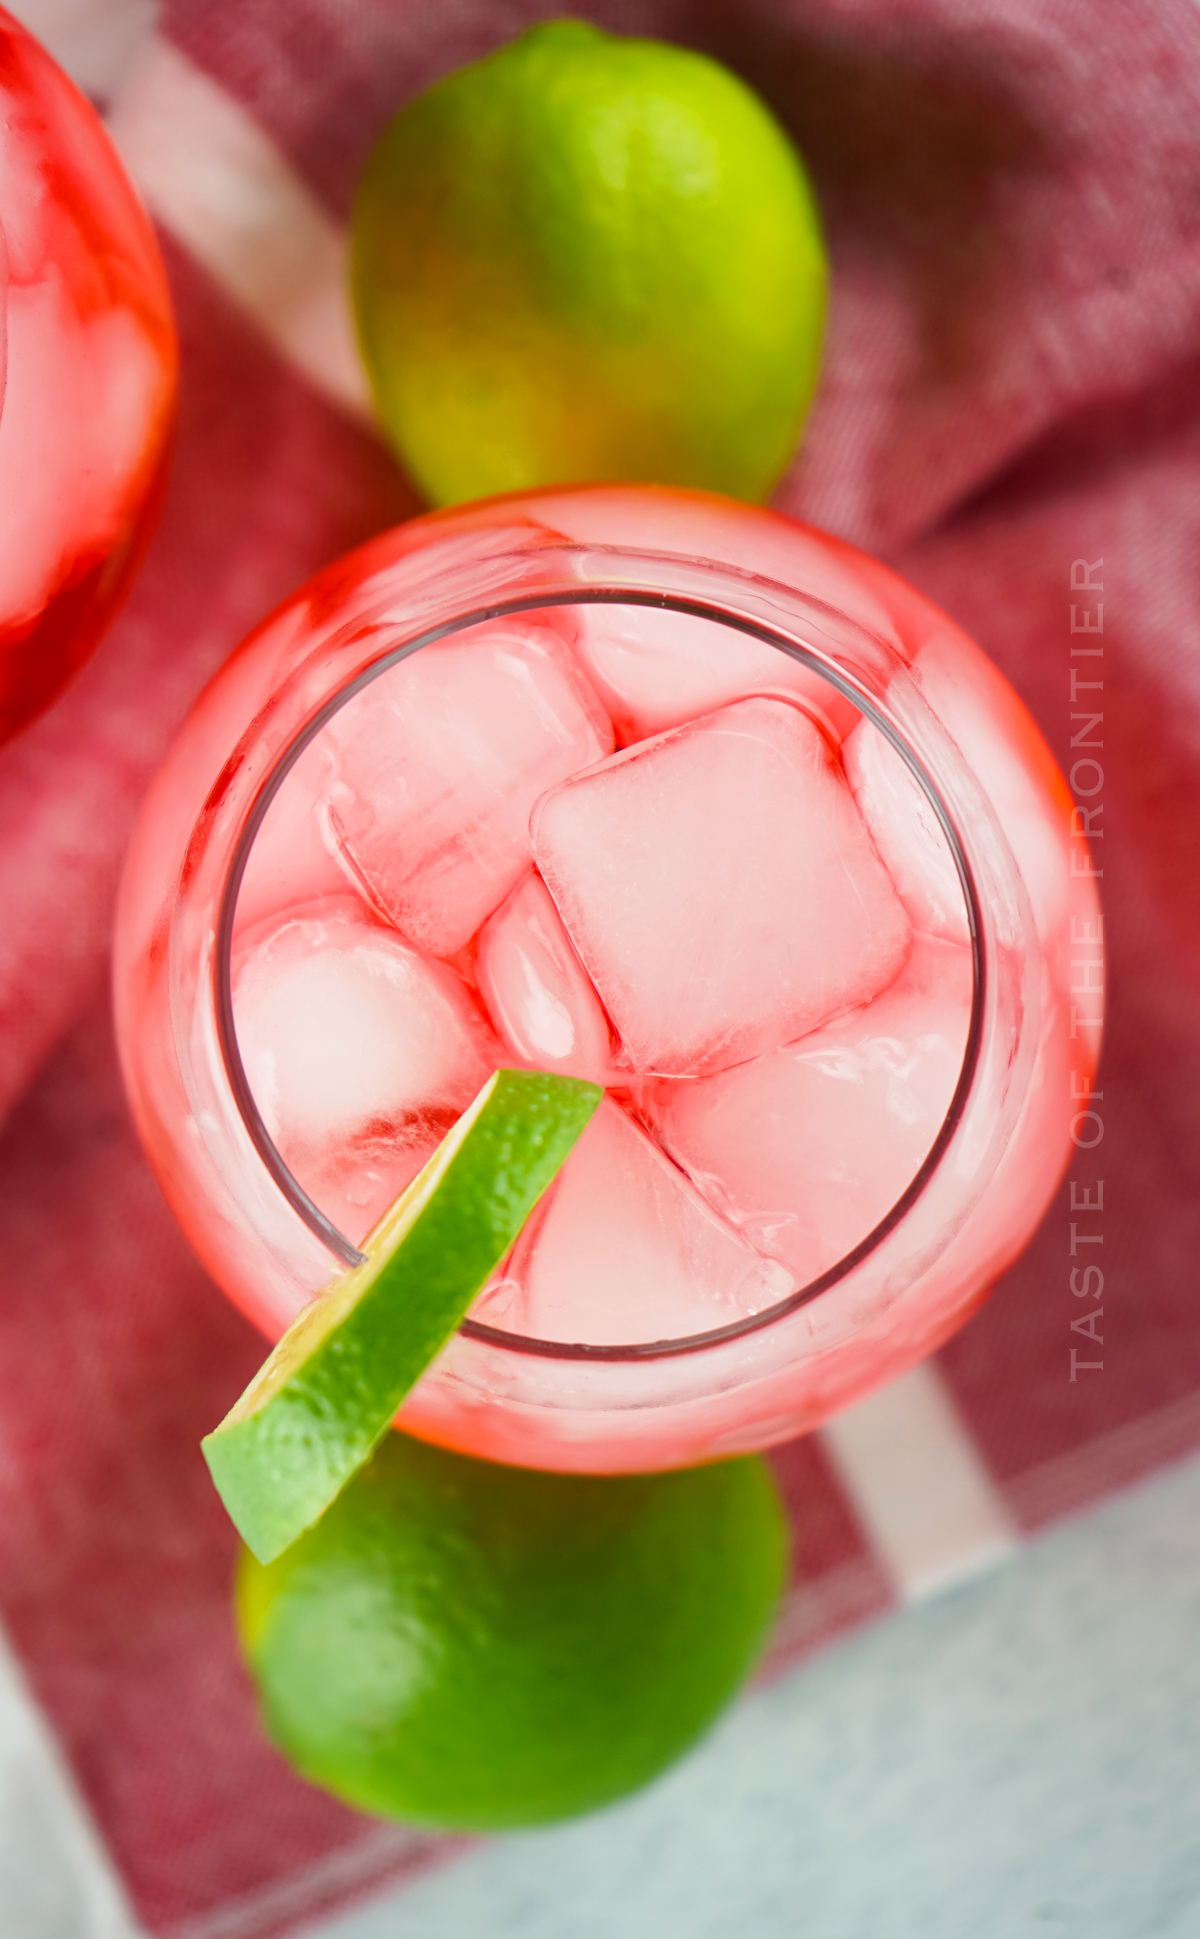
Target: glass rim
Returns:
[[281, 1174]]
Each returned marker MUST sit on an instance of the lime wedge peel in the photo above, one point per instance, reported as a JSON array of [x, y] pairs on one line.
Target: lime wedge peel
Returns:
[[319, 1406]]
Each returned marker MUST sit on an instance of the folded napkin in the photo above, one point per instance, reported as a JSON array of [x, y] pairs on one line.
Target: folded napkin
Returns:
[[1010, 414]]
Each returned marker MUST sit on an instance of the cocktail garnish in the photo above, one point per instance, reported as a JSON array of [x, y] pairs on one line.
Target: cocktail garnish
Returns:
[[318, 1407]]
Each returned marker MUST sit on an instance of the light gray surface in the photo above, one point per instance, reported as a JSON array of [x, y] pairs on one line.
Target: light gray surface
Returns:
[[94, 40], [56, 1881], [1019, 1758]]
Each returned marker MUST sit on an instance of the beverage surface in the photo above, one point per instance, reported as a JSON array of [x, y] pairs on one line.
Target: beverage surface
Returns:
[[471, 872]]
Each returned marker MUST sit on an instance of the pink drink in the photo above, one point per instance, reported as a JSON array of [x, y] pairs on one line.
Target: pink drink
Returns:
[[666, 792], [86, 412]]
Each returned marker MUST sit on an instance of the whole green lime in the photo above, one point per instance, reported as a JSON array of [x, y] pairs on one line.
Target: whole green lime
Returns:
[[589, 257], [476, 1646]]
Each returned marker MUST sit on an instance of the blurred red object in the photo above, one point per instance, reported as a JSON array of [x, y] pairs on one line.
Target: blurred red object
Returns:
[[87, 408]]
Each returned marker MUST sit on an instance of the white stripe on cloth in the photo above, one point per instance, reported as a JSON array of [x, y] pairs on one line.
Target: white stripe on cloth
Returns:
[[928, 1506], [93, 40], [56, 1880], [210, 176]]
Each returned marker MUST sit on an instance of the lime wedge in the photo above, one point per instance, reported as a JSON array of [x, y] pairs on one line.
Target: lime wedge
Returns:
[[317, 1409]]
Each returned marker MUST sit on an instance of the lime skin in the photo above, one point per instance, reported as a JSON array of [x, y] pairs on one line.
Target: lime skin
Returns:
[[322, 1401], [479, 1647], [588, 257]]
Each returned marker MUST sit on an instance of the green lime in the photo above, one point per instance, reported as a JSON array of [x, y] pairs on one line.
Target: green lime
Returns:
[[319, 1405], [588, 257], [476, 1646]]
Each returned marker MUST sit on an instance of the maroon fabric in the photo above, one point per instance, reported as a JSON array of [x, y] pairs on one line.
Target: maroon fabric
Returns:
[[1012, 194]]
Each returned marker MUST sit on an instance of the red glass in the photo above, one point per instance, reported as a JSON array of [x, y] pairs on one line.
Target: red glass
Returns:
[[598, 1394], [87, 408]]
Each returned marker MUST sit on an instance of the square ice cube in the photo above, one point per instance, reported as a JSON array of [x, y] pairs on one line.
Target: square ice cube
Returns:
[[654, 668], [720, 888], [359, 1052], [623, 1248], [292, 859], [807, 1148], [907, 833], [438, 763], [536, 989], [1016, 770]]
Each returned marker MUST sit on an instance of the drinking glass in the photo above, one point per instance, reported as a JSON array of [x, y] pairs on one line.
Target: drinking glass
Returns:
[[88, 402], [671, 608]]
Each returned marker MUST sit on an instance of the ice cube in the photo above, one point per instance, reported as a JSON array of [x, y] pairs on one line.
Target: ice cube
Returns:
[[720, 888], [537, 991], [655, 669], [87, 387], [807, 1148], [438, 763], [1016, 770], [360, 1053], [623, 1248], [292, 859], [907, 833]]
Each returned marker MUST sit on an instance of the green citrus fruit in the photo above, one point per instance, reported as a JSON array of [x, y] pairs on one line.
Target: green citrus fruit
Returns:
[[320, 1404], [588, 257], [475, 1646]]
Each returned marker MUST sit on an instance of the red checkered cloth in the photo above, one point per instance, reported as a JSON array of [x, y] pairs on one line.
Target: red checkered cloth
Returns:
[[1012, 196]]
